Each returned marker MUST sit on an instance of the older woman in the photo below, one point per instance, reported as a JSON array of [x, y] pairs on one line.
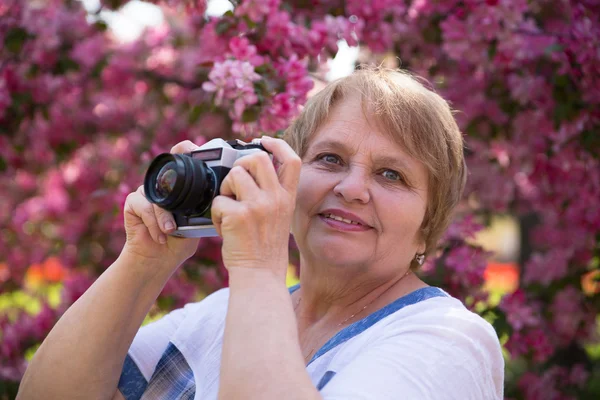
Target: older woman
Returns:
[[367, 187]]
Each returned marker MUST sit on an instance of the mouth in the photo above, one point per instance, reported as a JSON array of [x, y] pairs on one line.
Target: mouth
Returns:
[[345, 217], [337, 218]]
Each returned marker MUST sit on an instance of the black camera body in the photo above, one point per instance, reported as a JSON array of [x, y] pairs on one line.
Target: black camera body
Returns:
[[186, 184]]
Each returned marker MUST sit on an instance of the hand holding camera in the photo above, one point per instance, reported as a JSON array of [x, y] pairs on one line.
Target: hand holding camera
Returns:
[[179, 202], [148, 227], [186, 184], [255, 211]]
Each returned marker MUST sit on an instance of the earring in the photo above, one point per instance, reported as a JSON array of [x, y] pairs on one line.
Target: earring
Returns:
[[420, 258]]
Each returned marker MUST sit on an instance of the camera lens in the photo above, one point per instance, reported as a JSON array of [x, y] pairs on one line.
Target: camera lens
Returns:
[[180, 183], [166, 179]]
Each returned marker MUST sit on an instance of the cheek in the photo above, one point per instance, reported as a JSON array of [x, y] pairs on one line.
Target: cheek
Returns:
[[403, 215]]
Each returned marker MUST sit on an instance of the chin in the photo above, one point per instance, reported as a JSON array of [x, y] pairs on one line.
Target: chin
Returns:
[[336, 252]]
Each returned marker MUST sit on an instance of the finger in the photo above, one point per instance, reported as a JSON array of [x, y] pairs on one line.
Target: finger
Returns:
[[166, 222], [165, 219], [184, 147], [290, 163], [224, 207], [138, 205], [239, 184], [217, 211], [260, 167]]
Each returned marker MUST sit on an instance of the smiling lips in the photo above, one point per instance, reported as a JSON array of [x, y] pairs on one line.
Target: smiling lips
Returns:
[[344, 221], [341, 219]]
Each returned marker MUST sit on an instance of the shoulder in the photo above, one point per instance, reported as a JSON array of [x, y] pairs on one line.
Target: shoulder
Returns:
[[444, 321], [431, 348], [451, 337], [444, 315]]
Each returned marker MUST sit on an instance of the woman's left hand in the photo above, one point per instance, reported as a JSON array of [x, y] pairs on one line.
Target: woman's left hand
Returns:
[[253, 212]]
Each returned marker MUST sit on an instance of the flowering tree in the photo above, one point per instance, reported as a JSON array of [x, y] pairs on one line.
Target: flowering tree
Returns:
[[81, 116]]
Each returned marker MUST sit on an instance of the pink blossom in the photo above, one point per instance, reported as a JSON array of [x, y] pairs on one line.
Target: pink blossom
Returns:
[[232, 83], [548, 267], [567, 313], [90, 51], [535, 343], [465, 227], [256, 10], [179, 290], [242, 50], [542, 388], [520, 312]]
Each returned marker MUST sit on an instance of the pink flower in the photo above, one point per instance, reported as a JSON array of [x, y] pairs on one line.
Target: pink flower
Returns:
[[467, 265], [242, 50], [548, 267], [465, 228], [179, 290], [520, 312], [256, 10], [567, 314], [89, 51], [232, 83], [579, 375]]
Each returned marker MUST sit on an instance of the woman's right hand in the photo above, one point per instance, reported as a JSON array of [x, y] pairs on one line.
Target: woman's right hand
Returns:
[[148, 226]]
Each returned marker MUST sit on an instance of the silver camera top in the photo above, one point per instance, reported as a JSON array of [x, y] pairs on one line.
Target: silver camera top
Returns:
[[222, 152]]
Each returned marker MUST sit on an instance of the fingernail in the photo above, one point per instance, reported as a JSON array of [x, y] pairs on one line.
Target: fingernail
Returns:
[[169, 226], [162, 239]]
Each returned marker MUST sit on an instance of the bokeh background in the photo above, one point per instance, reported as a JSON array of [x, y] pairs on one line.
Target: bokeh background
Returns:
[[91, 91]]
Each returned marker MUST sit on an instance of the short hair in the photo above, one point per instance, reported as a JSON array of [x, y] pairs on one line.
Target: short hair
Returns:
[[415, 117]]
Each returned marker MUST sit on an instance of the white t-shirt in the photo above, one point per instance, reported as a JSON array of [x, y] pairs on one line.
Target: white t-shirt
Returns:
[[425, 345]]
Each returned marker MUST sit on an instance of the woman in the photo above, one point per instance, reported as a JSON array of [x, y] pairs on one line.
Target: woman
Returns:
[[367, 187]]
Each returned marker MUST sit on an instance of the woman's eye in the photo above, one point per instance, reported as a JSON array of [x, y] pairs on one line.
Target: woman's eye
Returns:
[[330, 158], [391, 175]]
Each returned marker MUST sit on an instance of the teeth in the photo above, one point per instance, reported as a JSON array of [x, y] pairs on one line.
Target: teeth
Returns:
[[335, 217]]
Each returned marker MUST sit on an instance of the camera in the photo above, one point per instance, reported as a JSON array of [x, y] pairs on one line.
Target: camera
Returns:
[[186, 184]]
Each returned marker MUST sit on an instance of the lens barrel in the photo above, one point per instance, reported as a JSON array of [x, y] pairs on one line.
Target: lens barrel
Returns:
[[180, 183]]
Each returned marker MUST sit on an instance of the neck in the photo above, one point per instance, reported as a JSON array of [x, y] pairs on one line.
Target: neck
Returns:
[[329, 295]]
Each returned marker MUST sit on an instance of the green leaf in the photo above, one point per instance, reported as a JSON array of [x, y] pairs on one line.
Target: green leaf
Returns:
[[590, 141], [251, 24], [493, 49], [195, 114], [45, 112], [553, 48], [567, 97], [65, 65], [102, 26], [99, 67], [222, 27], [250, 114], [264, 69], [15, 38]]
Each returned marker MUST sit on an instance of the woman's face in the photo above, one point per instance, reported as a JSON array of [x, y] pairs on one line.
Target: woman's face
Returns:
[[361, 199]]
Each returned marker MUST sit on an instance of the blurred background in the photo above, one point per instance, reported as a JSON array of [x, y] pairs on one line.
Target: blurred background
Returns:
[[92, 90]]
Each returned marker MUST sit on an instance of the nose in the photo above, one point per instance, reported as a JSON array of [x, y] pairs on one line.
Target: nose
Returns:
[[353, 186]]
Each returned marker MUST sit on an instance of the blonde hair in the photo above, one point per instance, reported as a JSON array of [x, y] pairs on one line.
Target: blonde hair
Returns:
[[414, 116]]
